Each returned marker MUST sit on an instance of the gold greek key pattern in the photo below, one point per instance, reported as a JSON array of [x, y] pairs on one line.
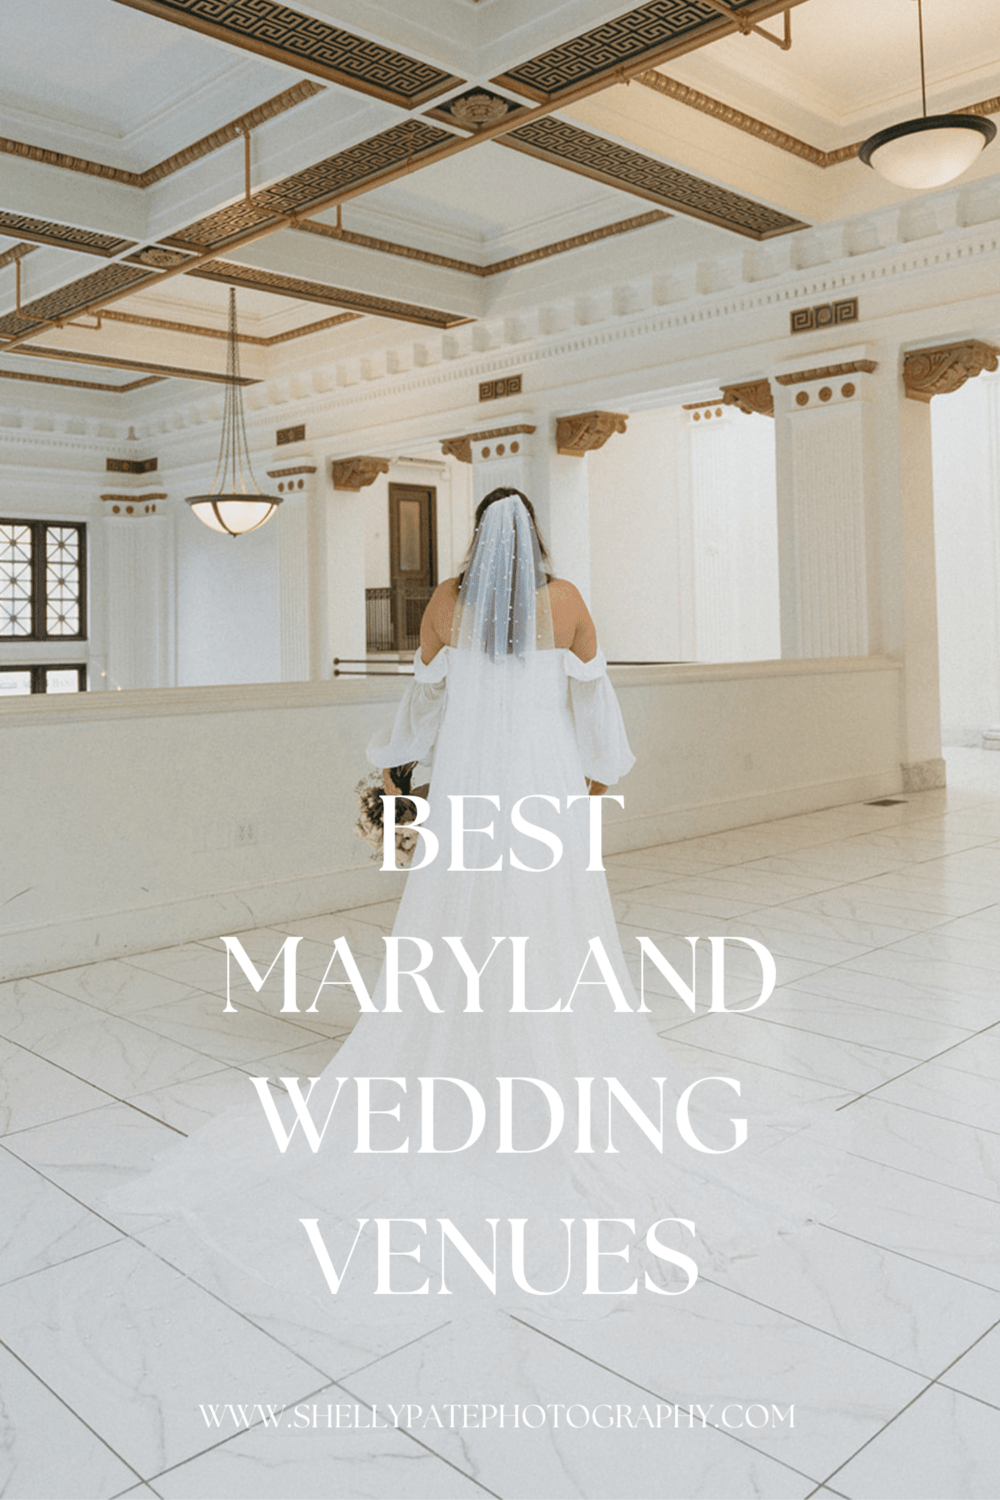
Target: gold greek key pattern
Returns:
[[694, 99], [469, 267], [295, 434], [308, 43], [66, 300], [81, 385], [16, 252], [110, 315], [824, 315], [567, 146], [120, 362], [63, 235], [183, 158], [495, 390], [393, 147], [649, 29], [317, 291], [130, 465]]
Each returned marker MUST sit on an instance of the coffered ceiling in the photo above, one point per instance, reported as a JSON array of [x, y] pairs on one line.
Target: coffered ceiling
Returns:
[[422, 164]]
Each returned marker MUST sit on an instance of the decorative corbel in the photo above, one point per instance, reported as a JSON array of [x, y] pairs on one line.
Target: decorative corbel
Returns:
[[460, 448], [945, 368], [753, 397], [586, 431], [357, 473]]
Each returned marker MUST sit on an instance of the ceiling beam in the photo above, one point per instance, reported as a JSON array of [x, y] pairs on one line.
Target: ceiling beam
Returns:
[[453, 146]]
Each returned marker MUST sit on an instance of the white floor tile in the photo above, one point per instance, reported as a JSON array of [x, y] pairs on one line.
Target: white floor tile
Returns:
[[202, 1024], [944, 1445], [908, 1036], [40, 1224], [33, 1091], [522, 1368], [825, 1059], [910, 1140], [712, 1346], [938, 1090], [927, 1221], [978, 1372], [903, 1311], [116, 986], [114, 1054], [95, 1153], [47, 1453], [132, 1347], [317, 1465]]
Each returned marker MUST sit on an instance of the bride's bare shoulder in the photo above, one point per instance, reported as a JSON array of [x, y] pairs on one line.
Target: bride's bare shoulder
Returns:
[[440, 610], [564, 591]]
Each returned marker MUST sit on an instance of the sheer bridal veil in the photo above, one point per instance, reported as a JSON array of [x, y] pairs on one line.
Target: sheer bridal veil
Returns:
[[503, 605]]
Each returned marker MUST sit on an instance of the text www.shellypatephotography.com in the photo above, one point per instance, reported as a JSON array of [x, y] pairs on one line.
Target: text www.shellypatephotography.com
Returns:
[[616, 1415]]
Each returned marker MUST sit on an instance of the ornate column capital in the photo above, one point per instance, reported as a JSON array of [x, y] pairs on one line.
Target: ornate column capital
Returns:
[[358, 472], [587, 430], [944, 368], [752, 396], [461, 447]]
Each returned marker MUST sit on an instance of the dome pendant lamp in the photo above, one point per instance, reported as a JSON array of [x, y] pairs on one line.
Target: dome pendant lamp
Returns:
[[235, 503], [930, 151]]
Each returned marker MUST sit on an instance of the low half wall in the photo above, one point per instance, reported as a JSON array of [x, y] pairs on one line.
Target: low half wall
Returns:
[[131, 821]]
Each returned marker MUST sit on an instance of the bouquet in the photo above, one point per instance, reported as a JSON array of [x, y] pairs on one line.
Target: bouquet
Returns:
[[371, 809]]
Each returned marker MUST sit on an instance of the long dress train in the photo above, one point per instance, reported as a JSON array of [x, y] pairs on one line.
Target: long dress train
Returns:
[[518, 727]]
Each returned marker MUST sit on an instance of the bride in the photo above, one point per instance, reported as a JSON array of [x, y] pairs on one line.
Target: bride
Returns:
[[503, 1122]]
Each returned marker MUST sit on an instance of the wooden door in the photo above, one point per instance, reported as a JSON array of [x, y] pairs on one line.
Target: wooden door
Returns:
[[412, 560]]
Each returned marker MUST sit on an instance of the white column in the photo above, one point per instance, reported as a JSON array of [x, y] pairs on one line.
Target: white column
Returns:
[[856, 531], [827, 470], [343, 553], [137, 600], [505, 460], [562, 502], [908, 579], [294, 587]]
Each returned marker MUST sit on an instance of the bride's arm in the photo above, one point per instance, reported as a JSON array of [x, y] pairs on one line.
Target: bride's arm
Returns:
[[435, 633], [584, 645]]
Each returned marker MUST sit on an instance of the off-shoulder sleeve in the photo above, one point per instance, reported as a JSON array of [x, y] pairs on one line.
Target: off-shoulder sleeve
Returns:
[[414, 730], [600, 730]]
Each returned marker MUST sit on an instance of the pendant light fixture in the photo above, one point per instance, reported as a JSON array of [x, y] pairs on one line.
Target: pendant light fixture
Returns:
[[929, 151], [235, 503]]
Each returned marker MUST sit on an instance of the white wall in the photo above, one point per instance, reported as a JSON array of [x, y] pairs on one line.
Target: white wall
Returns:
[[227, 605], [966, 438], [683, 538]]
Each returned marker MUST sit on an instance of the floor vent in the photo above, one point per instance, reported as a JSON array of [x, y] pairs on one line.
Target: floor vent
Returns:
[[887, 802]]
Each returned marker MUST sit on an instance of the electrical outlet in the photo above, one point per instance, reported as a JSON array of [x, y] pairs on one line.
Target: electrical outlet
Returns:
[[246, 833]]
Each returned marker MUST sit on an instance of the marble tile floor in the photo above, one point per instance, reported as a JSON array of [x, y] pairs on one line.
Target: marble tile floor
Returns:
[[881, 1325]]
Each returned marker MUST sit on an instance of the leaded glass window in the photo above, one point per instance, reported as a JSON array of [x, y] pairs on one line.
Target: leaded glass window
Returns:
[[17, 579], [42, 580], [20, 681]]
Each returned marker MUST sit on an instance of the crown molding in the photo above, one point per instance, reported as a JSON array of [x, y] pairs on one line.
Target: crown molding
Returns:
[[495, 268], [773, 135], [204, 146]]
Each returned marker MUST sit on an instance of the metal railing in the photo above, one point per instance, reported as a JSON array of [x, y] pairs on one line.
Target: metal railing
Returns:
[[361, 666], [392, 617]]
